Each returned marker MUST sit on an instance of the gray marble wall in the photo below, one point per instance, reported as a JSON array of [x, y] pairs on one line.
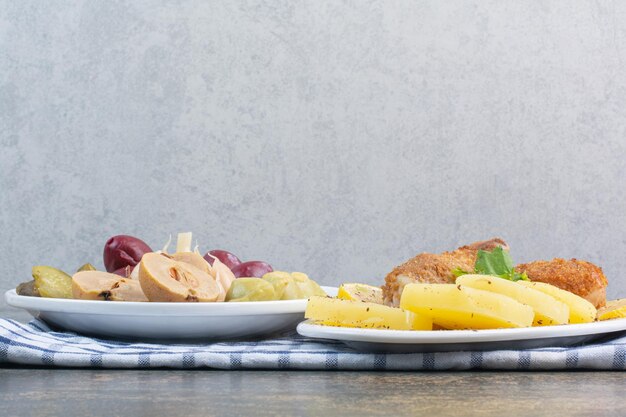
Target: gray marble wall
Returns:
[[335, 138]]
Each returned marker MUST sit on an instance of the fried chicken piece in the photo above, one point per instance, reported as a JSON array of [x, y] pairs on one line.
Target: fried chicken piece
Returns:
[[434, 268], [580, 277]]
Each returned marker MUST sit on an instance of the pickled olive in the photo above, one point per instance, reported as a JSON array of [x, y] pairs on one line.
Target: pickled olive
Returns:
[[224, 256], [28, 289], [52, 282], [86, 267], [251, 289], [252, 269], [122, 250]]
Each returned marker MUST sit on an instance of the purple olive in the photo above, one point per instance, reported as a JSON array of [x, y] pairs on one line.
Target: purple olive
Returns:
[[224, 256], [252, 269], [121, 251]]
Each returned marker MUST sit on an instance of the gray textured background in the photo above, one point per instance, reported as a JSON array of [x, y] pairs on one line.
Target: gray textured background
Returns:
[[334, 138]]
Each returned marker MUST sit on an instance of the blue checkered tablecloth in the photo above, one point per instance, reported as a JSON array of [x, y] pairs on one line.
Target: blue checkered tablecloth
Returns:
[[36, 344]]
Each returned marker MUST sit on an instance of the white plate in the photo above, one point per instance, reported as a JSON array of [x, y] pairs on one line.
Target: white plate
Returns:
[[404, 341], [165, 321]]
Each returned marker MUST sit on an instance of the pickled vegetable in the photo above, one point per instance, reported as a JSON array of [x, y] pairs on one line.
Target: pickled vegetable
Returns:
[[99, 285], [307, 286], [548, 310], [51, 282], [458, 307], [164, 279], [123, 250], [86, 267], [298, 286], [251, 289], [252, 269], [224, 256], [345, 313], [27, 289], [279, 283]]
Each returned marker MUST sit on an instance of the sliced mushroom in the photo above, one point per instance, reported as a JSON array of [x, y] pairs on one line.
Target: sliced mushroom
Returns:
[[165, 279], [98, 285], [194, 259]]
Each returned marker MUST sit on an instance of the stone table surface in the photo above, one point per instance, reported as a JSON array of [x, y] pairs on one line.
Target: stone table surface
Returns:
[[67, 392]]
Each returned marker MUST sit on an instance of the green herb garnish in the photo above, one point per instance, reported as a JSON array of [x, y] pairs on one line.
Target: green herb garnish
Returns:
[[497, 263]]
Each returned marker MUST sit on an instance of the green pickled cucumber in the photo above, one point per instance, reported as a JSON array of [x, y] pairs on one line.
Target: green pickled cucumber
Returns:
[[51, 282], [86, 267], [251, 289]]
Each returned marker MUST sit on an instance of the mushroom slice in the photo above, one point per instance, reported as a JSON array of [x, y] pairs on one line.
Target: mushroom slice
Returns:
[[192, 258], [165, 279], [98, 285], [220, 272]]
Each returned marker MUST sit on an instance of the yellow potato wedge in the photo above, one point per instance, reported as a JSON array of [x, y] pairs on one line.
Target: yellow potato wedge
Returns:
[[548, 310], [458, 307], [580, 310], [346, 313], [615, 309], [360, 292]]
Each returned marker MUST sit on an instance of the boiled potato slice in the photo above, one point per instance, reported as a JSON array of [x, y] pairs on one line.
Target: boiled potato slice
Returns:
[[458, 307], [360, 292], [345, 313], [548, 310], [580, 310], [615, 309]]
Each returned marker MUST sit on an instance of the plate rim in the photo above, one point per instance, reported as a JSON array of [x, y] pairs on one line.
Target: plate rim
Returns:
[[426, 337], [71, 306]]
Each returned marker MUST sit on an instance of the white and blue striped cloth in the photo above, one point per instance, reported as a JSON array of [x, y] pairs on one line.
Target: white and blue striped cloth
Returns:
[[36, 344]]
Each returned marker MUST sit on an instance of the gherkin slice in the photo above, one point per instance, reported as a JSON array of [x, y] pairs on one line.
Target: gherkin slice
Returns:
[[52, 282]]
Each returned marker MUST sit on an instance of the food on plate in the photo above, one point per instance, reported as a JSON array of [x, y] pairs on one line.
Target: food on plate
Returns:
[[459, 307], [615, 309], [227, 258], [86, 267], [548, 310], [278, 281], [580, 310], [28, 289], [434, 268], [252, 269], [251, 289], [125, 271], [164, 279], [360, 292], [136, 273], [105, 286], [299, 285], [284, 286], [51, 282], [345, 313], [122, 250], [497, 263], [579, 277]]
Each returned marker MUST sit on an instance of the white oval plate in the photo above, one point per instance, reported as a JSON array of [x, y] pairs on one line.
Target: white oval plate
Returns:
[[165, 321], [406, 341]]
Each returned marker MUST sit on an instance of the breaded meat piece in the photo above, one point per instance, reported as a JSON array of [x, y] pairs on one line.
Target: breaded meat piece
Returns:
[[434, 268], [580, 277]]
